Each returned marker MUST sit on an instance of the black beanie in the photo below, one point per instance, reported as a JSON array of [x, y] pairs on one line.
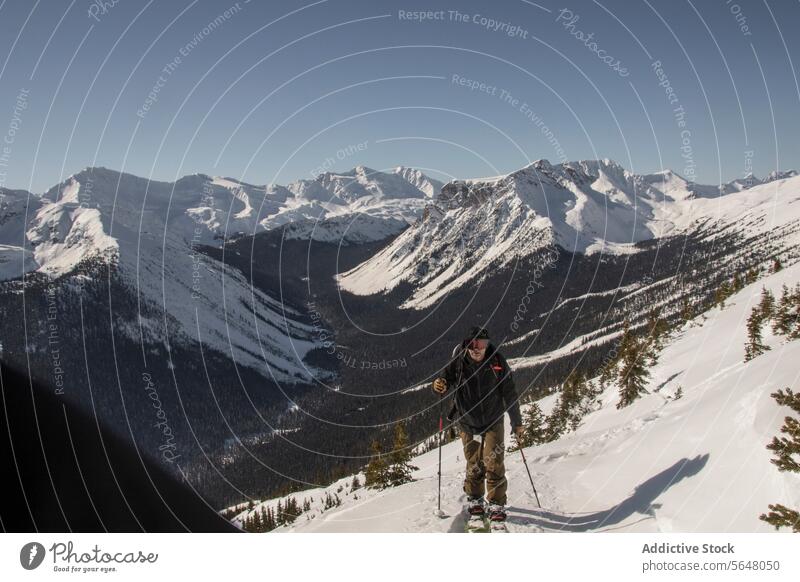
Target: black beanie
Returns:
[[477, 333]]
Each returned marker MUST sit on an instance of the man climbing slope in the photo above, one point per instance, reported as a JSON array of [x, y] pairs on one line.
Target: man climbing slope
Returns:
[[484, 392]]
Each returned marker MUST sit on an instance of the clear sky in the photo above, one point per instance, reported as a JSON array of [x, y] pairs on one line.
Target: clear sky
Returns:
[[270, 92]]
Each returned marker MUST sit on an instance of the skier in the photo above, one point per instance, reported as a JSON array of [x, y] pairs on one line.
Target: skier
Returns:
[[484, 392]]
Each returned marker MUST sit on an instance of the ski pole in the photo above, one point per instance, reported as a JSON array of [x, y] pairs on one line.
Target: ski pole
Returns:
[[529, 474], [439, 504]]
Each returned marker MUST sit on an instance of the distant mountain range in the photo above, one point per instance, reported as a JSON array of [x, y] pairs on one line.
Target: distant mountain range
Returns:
[[452, 233], [93, 211], [476, 226]]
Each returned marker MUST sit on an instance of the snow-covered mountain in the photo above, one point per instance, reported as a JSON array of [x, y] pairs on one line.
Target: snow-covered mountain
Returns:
[[151, 232], [200, 209], [370, 203], [696, 463], [15, 207], [750, 180], [476, 226], [424, 183], [447, 235]]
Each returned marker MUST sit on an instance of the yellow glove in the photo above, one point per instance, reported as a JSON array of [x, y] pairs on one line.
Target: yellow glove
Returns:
[[440, 385]]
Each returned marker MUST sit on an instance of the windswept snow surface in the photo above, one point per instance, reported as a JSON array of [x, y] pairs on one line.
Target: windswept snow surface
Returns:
[[588, 206], [696, 464]]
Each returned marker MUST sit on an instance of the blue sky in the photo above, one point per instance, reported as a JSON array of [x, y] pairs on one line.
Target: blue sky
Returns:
[[273, 91]]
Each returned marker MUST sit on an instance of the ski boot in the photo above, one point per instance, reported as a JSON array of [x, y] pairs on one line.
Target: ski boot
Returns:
[[476, 516], [475, 506], [497, 518]]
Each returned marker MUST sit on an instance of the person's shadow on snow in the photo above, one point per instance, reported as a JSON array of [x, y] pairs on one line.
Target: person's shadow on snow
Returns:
[[641, 502]]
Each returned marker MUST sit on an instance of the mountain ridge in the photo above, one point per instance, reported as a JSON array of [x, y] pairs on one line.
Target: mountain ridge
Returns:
[[593, 206]]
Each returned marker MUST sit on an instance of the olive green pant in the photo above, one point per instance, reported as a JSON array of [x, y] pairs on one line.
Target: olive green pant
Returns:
[[486, 463]]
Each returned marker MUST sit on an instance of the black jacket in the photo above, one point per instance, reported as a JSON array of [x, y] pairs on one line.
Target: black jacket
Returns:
[[484, 390]]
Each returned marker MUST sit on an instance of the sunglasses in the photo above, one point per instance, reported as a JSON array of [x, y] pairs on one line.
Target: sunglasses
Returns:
[[478, 344]]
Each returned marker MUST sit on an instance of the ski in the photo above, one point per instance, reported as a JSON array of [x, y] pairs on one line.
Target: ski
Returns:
[[477, 519], [498, 527], [477, 524]]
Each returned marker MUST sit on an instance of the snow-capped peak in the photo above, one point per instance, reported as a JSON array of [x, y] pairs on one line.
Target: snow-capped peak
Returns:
[[429, 186], [780, 175], [586, 206]]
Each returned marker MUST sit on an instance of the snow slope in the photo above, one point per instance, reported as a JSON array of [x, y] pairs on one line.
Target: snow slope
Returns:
[[588, 206], [14, 259], [695, 464]]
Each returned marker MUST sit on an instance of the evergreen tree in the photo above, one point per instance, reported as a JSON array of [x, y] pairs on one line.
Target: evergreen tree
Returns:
[[288, 516], [270, 519], [755, 345], [752, 276], [280, 518], [575, 388], [626, 341], [562, 414], [687, 311], [608, 371], [794, 313], [722, 293], [535, 432], [533, 421], [782, 321], [331, 501], [657, 330], [737, 283], [776, 265], [767, 304], [633, 373], [592, 397], [786, 449], [356, 484], [376, 472], [400, 467], [291, 510], [556, 425]]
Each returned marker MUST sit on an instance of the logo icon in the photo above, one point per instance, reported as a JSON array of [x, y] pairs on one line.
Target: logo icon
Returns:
[[31, 555]]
